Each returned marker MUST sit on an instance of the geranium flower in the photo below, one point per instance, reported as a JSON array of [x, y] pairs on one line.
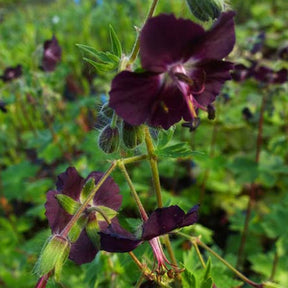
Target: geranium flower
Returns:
[[160, 222], [11, 73], [269, 76], [184, 71], [51, 54], [70, 183]]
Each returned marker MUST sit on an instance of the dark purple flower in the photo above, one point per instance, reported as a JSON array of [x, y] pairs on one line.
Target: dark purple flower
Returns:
[[269, 76], [51, 55], [257, 42], [160, 222], [184, 71], [11, 73], [70, 183]]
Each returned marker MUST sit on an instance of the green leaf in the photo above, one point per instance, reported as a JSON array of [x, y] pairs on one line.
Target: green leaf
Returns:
[[105, 57], [68, 204], [165, 136], [206, 275], [115, 43], [101, 67], [206, 283], [176, 151], [245, 170], [189, 280]]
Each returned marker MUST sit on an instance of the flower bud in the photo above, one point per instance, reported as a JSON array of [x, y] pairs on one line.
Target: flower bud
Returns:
[[205, 10], [132, 136], [53, 256], [109, 139], [211, 112]]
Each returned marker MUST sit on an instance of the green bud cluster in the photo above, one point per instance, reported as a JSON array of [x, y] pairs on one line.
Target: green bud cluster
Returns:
[[132, 136]]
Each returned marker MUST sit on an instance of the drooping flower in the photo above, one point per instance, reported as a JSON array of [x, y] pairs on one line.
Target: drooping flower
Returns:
[[11, 73], [51, 54], [267, 75], [184, 71], [70, 183], [160, 222]]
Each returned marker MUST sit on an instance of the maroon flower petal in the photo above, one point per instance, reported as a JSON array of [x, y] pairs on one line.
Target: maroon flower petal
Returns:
[[70, 183], [164, 40], [117, 239], [162, 221], [191, 217], [132, 95], [51, 54], [218, 42], [167, 108], [56, 215], [217, 72], [83, 250], [165, 220], [108, 194], [267, 75]]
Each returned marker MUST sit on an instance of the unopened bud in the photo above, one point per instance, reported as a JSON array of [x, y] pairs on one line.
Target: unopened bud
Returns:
[[132, 135], [109, 139], [53, 256], [211, 112], [205, 10]]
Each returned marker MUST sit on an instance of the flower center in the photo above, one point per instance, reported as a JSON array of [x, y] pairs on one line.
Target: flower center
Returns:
[[185, 84]]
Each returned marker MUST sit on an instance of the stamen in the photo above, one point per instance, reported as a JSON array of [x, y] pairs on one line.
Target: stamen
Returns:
[[190, 105], [184, 78], [164, 107]]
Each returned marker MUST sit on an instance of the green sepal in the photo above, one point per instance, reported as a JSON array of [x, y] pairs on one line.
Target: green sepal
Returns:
[[115, 43], [67, 203], [53, 256], [108, 213], [77, 228], [60, 263], [92, 230], [87, 189]]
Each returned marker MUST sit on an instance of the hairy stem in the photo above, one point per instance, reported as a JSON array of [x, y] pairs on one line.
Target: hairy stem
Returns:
[[253, 187], [136, 46], [141, 209], [153, 166]]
